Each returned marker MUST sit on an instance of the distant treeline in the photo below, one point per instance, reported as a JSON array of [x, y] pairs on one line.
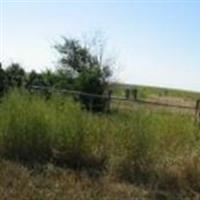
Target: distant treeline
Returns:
[[15, 75]]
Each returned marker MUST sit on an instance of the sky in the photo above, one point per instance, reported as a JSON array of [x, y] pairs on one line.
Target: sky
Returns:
[[154, 43]]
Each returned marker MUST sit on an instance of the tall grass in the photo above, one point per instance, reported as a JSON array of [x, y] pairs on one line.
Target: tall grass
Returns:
[[24, 127], [35, 130], [155, 148]]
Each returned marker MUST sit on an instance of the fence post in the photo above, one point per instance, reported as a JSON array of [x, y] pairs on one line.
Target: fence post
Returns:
[[91, 104], [109, 100], [127, 93], [135, 94], [197, 112]]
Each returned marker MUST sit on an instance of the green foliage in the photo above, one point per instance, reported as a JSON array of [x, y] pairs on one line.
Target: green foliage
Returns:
[[90, 75], [58, 79], [75, 58], [155, 148], [2, 80], [15, 75], [24, 127], [34, 78], [35, 130], [90, 82]]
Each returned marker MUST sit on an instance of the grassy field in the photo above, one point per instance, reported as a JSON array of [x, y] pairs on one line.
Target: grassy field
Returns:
[[54, 150], [152, 92]]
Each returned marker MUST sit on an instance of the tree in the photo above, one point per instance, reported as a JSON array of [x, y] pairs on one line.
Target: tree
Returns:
[[15, 75], [2, 80], [64, 79], [34, 79], [89, 73]]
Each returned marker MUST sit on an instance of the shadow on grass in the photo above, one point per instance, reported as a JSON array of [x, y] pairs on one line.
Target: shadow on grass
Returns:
[[77, 161]]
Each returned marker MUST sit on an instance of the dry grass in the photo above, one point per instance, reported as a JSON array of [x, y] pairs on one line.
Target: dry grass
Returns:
[[50, 182], [20, 183]]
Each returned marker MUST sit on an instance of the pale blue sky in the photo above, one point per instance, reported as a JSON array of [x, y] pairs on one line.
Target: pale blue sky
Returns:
[[155, 42]]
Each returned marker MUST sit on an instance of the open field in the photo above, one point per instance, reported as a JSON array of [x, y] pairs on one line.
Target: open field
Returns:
[[54, 150], [147, 92]]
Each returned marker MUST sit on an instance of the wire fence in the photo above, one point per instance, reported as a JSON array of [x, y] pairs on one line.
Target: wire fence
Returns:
[[128, 100]]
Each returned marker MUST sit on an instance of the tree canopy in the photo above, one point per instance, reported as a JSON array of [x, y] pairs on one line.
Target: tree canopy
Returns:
[[88, 72]]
